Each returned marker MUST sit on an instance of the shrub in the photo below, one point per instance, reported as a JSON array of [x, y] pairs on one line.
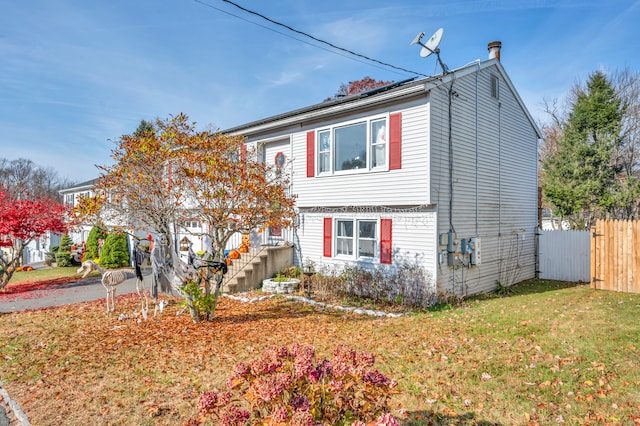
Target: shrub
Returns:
[[63, 253], [115, 251], [50, 257], [287, 386], [93, 251], [290, 272], [65, 244], [63, 258], [404, 284]]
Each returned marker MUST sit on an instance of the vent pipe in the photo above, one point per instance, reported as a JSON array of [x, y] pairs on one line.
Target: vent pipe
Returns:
[[494, 50]]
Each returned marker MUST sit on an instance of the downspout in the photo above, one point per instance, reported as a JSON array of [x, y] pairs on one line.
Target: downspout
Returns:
[[499, 169], [477, 72]]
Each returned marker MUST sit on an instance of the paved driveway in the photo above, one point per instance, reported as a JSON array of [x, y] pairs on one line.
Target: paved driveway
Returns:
[[63, 294]]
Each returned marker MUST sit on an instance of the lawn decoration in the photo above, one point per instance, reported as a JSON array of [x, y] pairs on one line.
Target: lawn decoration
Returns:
[[113, 278]]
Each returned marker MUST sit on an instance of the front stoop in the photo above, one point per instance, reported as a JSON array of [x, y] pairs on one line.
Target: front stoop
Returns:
[[264, 265]]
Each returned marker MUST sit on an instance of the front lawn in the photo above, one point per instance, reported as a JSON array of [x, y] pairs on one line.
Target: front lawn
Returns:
[[568, 355], [43, 274]]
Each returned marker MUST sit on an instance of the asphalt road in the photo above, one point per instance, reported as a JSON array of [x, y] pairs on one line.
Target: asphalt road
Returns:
[[64, 294]]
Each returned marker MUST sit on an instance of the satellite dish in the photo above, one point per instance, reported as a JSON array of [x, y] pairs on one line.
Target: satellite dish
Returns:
[[432, 44]]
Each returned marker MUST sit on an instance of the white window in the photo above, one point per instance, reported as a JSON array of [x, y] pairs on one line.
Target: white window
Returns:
[[366, 238], [324, 151], [69, 199], [344, 238], [378, 136], [191, 224], [359, 146], [357, 237]]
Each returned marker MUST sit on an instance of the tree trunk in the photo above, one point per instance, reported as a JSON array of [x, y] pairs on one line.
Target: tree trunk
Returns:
[[8, 268], [192, 309]]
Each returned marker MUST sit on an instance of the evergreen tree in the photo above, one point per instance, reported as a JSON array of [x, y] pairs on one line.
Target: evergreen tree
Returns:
[[581, 177], [63, 256], [115, 251], [92, 251]]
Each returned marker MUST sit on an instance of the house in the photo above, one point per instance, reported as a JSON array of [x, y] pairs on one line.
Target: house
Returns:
[[70, 198], [438, 173]]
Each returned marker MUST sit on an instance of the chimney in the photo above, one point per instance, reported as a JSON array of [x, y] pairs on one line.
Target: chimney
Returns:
[[494, 50]]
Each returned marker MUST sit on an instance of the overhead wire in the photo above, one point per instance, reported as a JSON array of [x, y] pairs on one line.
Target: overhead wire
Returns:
[[333, 46]]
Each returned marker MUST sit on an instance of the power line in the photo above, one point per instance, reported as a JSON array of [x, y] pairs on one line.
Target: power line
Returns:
[[291, 37], [333, 46]]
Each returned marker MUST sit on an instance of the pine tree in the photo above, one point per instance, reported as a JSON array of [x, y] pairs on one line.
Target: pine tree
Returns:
[[115, 251], [92, 251], [581, 178], [63, 256]]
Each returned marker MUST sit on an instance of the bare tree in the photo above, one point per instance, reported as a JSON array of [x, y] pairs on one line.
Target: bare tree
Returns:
[[22, 178], [628, 151]]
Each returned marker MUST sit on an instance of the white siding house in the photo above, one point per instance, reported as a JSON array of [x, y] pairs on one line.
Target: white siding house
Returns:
[[439, 172], [70, 197]]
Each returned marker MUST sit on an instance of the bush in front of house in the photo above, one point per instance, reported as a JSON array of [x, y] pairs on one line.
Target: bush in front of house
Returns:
[[50, 256], [405, 284], [93, 249], [287, 385], [115, 251], [63, 254]]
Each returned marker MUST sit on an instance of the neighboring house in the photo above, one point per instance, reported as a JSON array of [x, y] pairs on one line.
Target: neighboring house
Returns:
[[70, 198], [439, 173], [36, 251], [71, 195]]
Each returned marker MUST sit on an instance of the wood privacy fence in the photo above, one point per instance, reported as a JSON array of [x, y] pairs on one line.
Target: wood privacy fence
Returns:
[[615, 256], [564, 255]]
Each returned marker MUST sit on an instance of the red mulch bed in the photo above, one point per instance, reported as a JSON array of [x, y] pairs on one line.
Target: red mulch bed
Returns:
[[36, 285]]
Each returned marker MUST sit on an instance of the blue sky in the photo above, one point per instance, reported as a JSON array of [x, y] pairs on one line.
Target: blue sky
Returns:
[[76, 74]]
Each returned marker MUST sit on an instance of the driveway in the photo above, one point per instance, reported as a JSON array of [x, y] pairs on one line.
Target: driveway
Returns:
[[63, 294]]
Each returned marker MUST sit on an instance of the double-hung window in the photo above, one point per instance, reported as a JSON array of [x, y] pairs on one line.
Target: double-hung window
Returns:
[[324, 151], [356, 238], [378, 137], [359, 146]]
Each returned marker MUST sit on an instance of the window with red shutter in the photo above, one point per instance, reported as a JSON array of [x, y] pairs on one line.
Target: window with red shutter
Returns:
[[386, 253]]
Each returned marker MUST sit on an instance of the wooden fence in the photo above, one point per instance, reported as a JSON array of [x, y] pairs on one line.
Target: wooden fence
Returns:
[[615, 256]]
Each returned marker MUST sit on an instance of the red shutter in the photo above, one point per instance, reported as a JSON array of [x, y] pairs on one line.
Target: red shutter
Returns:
[[243, 153], [386, 253], [326, 252], [311, 147], [395, 141]]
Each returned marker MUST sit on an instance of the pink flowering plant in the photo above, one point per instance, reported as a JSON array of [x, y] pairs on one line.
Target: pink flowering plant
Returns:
[[286, 386]]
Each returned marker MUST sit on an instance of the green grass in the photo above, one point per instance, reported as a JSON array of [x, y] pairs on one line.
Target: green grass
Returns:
[[43, 274], [549, 353]]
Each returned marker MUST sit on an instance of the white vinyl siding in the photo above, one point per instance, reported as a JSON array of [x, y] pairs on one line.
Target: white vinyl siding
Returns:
[[497, 200], [377, 186], [413, 236]]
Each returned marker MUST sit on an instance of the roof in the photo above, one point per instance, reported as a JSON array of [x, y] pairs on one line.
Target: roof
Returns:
[[389, 93], [83, 186]]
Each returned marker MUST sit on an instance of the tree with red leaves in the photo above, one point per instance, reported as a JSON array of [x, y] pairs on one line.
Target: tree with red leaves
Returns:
[[358, 86], [23, 221]]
